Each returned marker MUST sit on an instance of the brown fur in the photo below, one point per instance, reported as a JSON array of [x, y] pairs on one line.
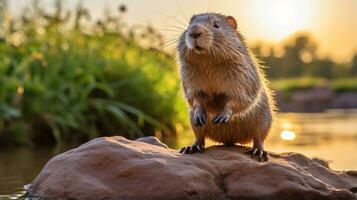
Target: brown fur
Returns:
[[225, 76]]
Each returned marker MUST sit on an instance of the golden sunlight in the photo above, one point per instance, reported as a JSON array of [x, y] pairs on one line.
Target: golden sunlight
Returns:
[[280, 18]]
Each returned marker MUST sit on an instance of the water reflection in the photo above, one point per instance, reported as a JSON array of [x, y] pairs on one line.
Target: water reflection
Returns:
[[331, 136]]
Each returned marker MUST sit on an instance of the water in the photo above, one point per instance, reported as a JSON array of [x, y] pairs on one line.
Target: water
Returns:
[[19, 167], [331, 136]]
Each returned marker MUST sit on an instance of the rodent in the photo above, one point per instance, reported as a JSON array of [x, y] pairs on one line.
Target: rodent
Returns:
[[224, 85]]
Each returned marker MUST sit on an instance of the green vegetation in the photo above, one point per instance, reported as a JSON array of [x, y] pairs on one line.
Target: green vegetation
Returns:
[[292, 84], [287, 86], [63, 81], [343, 85]]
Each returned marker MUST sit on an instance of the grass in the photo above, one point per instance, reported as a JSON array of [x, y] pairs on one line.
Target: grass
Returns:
[[60, 83]]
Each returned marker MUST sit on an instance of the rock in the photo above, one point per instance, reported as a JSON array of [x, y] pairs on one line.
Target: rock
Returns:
[[352, 173], [117, 168], [321, 162], [152, 140]]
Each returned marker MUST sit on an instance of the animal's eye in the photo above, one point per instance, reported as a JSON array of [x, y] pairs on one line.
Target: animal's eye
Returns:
[[215, 24]]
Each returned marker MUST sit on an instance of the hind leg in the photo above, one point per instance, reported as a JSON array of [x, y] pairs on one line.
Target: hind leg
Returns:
[[199, 144], [258, 150], [258, 143], [260, 129]]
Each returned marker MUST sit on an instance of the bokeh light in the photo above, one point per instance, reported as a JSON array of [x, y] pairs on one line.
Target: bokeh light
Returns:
[[288, 135]]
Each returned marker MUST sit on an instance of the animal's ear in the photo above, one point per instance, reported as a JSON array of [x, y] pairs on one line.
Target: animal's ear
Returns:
[[232, 22]]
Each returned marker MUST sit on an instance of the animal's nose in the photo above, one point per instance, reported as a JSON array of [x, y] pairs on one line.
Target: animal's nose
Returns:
[[195, 35], [195, 31]]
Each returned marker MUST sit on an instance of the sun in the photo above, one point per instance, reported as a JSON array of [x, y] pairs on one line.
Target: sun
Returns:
[[280, 18]]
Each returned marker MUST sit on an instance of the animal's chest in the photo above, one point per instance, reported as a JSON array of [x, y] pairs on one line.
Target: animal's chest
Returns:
[[211, 80]]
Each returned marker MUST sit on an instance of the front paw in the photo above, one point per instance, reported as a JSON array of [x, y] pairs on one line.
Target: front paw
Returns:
[[222, 117], [199, 118]]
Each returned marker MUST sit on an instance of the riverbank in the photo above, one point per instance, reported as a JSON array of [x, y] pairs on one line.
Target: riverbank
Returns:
[[314, 94], [315, 99]]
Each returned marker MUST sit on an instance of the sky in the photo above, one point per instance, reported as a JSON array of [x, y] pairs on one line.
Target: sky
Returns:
[[332, 23]]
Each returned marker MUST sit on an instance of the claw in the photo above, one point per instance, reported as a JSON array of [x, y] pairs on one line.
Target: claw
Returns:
[[188, 150], [192, 149], [226, 120], [218, 120], [262, 155], [182, 149], [254, 152], [249, 151], [202, 120], [199, 120], [221, 118], [199, 149], [265, 156], [215, 120]]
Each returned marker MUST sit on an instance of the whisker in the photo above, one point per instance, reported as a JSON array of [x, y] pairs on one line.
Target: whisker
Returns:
[[173, 19], [174, 27], [171, 30], [183, 12], [173, 44], [169, 46], [172, 40]]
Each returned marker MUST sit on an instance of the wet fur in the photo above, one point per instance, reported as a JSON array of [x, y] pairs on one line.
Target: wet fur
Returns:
[[227, 72]]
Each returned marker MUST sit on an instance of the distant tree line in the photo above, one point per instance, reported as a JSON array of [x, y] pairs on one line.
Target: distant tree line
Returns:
[[299, 59]]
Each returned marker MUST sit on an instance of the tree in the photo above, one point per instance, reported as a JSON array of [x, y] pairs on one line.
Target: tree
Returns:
[[354, 65]]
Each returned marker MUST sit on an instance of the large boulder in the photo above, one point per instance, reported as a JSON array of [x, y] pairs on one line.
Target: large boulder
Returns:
[[117, 168]]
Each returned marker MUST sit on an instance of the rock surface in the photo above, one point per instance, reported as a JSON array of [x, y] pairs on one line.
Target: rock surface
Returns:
[[117, 168]]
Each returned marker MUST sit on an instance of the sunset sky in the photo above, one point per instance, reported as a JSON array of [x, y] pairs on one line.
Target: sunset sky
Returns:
[[332, 23]]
